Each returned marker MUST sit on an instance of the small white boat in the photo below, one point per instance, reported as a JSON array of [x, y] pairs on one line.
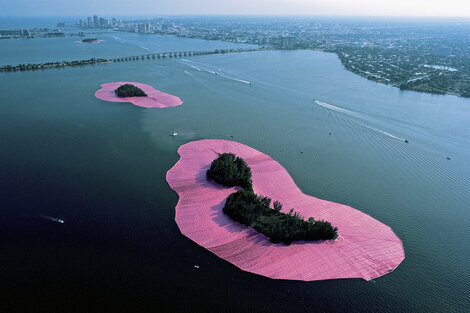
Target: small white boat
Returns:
[[174, 134]]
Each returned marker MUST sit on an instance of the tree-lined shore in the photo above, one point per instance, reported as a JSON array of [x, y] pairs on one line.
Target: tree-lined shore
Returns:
[[48, 65]]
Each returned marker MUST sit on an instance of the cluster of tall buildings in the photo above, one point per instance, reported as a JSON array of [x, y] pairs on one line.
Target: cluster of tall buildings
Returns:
[[99, 22], [144, 28], [288, 42]]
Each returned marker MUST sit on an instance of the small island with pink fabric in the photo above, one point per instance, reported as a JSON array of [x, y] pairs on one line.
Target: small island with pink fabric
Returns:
[[237, 223], [89, 40], [138, 94]]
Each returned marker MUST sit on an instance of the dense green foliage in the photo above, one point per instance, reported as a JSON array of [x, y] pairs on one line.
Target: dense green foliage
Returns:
[[252, 210], [246, 207], [41, 66], [129, 90], [410, 69], [89, 39], [230, 170]]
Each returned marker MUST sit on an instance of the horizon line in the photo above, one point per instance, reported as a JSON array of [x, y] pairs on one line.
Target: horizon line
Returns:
[[238, 15]]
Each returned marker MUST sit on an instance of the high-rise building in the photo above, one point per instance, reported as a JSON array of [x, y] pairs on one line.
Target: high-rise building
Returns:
[[96, 22], [144, 28], [90, 21], [103, 22], [82, 23], [287, 42]]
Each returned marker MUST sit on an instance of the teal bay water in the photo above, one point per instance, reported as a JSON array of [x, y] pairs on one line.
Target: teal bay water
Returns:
[[100, 166]]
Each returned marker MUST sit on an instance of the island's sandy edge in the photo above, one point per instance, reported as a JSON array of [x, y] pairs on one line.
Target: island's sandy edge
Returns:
[[365, 249]]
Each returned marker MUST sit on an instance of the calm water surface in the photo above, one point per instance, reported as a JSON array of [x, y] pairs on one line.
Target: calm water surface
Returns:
[[101, 166], [114, 44]]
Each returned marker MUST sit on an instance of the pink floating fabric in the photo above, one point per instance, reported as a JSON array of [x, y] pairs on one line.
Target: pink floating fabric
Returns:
[[155, 98], [365, 248], [94, 41]]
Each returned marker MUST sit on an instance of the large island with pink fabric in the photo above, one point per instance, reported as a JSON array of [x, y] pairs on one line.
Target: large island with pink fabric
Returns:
[[365, 248]]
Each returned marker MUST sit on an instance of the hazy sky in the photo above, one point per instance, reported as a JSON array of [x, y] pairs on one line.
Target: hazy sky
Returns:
[[276, 7]]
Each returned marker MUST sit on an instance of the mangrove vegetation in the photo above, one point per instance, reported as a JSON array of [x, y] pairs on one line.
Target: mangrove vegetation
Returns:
[[89, 40], [129, 90], [250, 209], [229, 171]]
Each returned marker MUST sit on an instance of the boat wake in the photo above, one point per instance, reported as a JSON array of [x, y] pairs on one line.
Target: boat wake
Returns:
[[205, 68], [120, 40], [385, 133], [52, 219], [193, 67], [357, 115], [237, 80], [333, 107], [131, 43]]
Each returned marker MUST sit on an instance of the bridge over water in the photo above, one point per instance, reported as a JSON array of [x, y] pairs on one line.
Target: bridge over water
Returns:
[[179, 54], [148, 56]]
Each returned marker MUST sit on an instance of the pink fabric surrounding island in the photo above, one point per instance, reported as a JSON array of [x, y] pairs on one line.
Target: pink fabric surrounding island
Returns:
[[94, 41], [155, 98], [365, 248]]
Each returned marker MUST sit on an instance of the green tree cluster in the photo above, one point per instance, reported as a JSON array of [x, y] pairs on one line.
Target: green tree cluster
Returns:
[[254, 211], [89, 39], [129, 90], [250, 209], [230, 170]]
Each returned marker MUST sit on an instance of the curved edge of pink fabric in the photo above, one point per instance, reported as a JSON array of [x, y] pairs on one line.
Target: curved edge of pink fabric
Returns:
[[155, 98], [365, 248]]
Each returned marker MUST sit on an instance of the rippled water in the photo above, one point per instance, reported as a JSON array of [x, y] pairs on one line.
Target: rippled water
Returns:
[[100, 167]]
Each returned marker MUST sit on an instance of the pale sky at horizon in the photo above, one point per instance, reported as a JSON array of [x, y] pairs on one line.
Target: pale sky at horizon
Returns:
[[238, 7]]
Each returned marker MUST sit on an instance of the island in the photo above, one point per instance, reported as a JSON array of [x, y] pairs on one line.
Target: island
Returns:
[[147, 97], [89, 40], [364, 247], [250, 209], [129, 90]]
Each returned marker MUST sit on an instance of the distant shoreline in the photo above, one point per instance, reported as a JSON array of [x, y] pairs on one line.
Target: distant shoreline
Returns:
[[417, 85]]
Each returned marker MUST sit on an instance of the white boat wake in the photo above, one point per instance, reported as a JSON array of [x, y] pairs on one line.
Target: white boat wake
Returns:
[[355, 114], [199, 68], [52, 219]]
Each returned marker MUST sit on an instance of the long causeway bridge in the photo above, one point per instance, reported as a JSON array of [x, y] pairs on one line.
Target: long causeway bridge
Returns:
[[148, 56]]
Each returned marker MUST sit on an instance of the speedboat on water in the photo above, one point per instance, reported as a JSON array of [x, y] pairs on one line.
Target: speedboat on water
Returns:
[[53, 219]]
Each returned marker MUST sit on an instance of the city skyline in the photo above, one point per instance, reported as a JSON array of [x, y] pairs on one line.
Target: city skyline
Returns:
[[451, 8]]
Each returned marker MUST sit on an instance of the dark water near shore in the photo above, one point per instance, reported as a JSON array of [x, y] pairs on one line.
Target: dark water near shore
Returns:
[[101, 166]]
